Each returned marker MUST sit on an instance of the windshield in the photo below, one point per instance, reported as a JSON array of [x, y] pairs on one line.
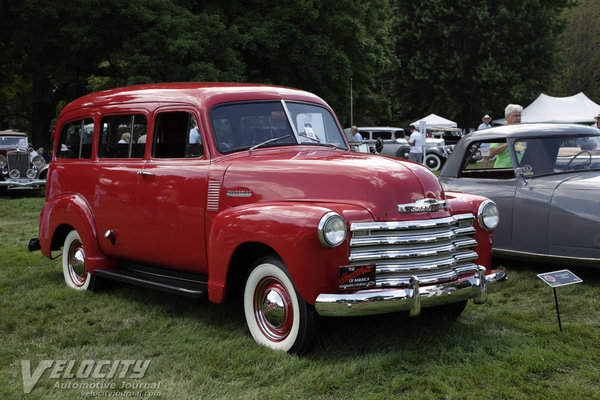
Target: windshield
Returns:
[[13, 141], [542, 156], [244, 126]]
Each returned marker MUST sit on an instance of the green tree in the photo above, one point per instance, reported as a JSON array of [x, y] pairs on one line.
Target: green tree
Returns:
[[463, 58], [61, 50], [53, 52], [580, 48], [319, 46]]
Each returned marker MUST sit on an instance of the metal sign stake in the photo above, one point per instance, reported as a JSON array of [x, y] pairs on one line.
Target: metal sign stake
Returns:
[[557, 312], [559, 278]]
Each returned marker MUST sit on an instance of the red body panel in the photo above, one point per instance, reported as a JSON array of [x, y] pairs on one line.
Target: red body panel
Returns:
[[193, 213]]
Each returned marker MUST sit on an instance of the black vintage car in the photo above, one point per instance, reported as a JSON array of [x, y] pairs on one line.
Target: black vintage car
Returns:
[[19, 167]]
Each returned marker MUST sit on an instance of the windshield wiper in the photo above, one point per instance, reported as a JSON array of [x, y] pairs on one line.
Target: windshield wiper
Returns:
[[267, 142]]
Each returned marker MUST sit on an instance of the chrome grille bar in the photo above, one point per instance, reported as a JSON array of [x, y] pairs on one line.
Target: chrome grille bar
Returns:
[[18, 160], [435, 251]]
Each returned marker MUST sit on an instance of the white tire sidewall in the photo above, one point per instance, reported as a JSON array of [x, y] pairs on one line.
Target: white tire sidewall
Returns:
[[72, 237], [438, 161], [260, 272]]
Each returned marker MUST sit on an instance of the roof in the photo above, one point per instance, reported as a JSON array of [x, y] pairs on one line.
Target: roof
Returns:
[[193, 93], [12, 133], [513, 132], [531, 130], [437, 121]]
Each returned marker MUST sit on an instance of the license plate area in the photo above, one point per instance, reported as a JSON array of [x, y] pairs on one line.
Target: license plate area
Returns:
[[356, 277]]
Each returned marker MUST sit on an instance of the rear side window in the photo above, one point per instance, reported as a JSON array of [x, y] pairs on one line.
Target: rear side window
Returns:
[[122, 136], [177, 135], [385, 135], [75, 140]]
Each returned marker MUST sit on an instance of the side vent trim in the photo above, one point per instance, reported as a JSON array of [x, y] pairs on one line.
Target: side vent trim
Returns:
[[213, 195]]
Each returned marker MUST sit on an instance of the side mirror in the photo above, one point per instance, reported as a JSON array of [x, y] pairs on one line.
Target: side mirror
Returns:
[[521, 176]]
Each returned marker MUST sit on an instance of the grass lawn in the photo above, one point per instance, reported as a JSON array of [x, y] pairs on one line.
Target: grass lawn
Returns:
[[508, 348]]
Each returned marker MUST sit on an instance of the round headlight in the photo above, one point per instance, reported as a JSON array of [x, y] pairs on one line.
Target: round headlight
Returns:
[[31, 173], [332, 229], [15, 174], [487, 215], [38, 162], [3, 161]]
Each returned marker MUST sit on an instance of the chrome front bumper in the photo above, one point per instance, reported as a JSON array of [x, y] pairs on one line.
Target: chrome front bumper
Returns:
[[413, 298], [25, 183]]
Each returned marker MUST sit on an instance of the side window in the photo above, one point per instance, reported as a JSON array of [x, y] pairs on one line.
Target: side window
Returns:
[[177, 135], [122, 136], [382, 135], [488, 161], [75, 140]]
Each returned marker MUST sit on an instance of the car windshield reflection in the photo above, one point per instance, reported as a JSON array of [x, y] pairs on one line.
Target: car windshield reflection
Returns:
[[543, 156], [265, 124]]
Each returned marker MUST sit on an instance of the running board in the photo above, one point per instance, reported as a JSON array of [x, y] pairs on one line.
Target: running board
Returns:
[[171, 281]]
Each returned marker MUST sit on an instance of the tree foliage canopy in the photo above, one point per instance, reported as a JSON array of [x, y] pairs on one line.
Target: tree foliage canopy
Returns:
[[464, 58], [403, 59]]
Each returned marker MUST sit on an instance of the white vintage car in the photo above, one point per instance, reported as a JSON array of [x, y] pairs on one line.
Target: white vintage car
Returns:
[[390, 141]]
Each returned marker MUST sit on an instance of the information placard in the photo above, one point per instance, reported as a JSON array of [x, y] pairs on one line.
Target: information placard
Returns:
[[560, 278]]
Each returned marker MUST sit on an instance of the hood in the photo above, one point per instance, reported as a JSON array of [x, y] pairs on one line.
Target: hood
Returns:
[[378, 184]]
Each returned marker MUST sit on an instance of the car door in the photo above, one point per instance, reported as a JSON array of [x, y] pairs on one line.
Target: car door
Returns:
[[574, 220], [499, 185], [531, 210], [172, 193], [115, 178]]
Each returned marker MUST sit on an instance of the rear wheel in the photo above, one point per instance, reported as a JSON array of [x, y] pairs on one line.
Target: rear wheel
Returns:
[[73, 261], [276, 315]]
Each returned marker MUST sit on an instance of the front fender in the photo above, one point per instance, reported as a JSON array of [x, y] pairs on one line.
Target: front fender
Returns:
[[290, 229], [71, 210], [469, 203]]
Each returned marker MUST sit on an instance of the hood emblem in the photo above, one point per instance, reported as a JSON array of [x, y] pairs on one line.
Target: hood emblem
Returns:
[[424, 205], [239, 193]]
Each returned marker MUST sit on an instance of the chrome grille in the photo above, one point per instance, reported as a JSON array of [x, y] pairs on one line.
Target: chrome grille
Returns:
[[18, 160], [435, 250]]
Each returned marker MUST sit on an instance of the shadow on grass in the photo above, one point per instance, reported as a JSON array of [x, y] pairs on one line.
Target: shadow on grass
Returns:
[[338, 339], [22, 193]]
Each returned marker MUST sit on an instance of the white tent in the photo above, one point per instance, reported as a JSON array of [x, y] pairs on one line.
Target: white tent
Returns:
[[573, 109], [436, 120]]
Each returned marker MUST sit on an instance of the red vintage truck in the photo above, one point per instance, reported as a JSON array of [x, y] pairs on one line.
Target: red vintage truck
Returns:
[[215, 190]]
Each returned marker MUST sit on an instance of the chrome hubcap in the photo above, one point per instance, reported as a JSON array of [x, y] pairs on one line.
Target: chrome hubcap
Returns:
[[77, 263], [273, 309]]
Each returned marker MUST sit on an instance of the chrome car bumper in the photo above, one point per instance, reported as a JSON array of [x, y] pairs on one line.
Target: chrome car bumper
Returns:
[[413, 298], [25, 183]]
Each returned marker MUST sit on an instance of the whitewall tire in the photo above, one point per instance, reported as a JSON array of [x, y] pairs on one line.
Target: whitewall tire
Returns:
[[73, 262], [276, 315]]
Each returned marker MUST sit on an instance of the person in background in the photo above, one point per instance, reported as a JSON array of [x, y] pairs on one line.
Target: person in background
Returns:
[[125, 138], [512, 113], [597, 124], [32, 152], [415, 141], [485, 147], [195, 134], [355, 135], [486, 123]]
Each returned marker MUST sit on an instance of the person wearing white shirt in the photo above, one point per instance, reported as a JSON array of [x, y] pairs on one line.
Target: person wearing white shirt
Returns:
[[415, 141]]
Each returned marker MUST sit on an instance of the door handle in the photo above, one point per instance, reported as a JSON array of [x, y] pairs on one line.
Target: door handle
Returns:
[[144, 173]]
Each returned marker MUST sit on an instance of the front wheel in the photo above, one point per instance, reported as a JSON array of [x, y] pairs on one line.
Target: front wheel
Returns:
[[276, 315], [73, 261], [433, 162]]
